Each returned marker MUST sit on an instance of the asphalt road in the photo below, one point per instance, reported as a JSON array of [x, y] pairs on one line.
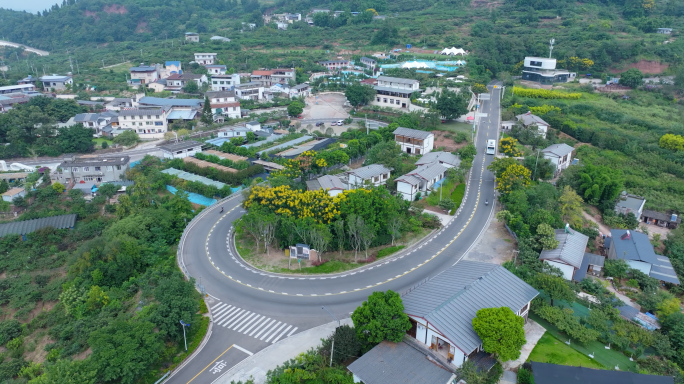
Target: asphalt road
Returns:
[[251, 309]]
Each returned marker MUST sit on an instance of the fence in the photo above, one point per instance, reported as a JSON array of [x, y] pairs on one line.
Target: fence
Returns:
[[511, 232]]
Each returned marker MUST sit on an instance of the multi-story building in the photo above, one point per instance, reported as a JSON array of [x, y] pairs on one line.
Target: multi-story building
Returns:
[[395, 92], [216, 69], [368, 62], [148, 123], [56, 82], [97, 170], [413, 141], [144, 74], [224, 82], [250, 91], [269, 77], [224, 103], [370, 175], [205, 58], [334, 65], [192, 36], [176, 82], [543, 70]]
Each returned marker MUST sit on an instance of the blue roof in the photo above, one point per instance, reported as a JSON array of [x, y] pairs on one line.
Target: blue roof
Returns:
[[143, 68], [162, 102], [218, 141], [176, 63], [637, 247]]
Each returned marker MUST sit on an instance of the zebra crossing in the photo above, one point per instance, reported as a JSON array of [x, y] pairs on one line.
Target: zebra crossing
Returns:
[[251, 324]]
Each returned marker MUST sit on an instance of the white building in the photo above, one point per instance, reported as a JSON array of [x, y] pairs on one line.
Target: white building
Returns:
[[420, 180], [530, 120], [181, 149], [232, 132], [636, 249], [370, 175], [224, 82], [56, 82], [216, 69], [560, 156], [543, 70], [449, 160], [205, 58], [332, 184], [144, 74], [192, 36], [628, 203], [176, 82], [394, 92], [148, 123], [250, 91], [569, 254], [224, 103], [441, 310], [301, 90], [413, 141]]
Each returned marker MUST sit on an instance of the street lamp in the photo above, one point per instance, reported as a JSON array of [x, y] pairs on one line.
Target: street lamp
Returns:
[[183, 324], [332, 347]]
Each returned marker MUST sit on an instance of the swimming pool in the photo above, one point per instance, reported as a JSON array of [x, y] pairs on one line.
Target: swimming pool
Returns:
[[447, 66]]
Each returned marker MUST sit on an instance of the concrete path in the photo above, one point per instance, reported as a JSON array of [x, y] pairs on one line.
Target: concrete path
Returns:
[[443, 218], [257, 365], [508, 377], [533, 332]]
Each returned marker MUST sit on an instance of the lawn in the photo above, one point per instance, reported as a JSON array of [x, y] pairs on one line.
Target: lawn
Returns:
[[455, 126], [553, 351], [98, 142], [451, 190], [607, 357]]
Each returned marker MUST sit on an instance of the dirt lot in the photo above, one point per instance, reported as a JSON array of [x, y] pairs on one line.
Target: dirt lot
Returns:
[[645, 66], [495, 246], [327, 105], [446, 142]]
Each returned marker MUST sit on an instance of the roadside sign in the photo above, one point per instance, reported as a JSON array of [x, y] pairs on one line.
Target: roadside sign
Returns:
[[485, 96], [408, 46]]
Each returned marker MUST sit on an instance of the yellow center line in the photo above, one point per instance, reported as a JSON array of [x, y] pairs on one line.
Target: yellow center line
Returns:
[[205, 368]]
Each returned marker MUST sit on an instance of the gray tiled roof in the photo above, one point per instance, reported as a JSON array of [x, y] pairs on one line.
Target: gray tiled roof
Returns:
[[529, 119], [558, 150], [441, 157], [428, 171], [181, 145], [662, 270], [397, 80], [398, 363], [631, 203], [391, 89], [570, 249], [450, 300], [331, 182], [408, 132], [562, 374], [660, 216], [28, 226], [160, 101], [409, 179], [589, 259], [142, 112], [370, 171], [636, 247], [95, 161], [214, 94], [82, 117]]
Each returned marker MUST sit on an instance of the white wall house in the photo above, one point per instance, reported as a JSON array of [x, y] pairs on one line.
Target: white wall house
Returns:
[[421, 179], [530, 120], [628, 203], [224, 103], [224, 82], [569, 254], [413, 141], [447, 159], [441, 310], [233, 132], [333, 184], [560, 156], [394, 92], [56, 82], [192, 36], [250, 91], [148, 123], [205, 58], [216, 69], [180, 149], [144, 74], [373, 175]]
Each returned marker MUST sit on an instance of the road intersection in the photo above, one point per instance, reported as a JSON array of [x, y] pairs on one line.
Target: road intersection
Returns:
[[251, 309]]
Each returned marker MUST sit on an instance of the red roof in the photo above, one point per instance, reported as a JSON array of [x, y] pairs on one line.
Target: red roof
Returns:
[[225, 105], [262, 73]]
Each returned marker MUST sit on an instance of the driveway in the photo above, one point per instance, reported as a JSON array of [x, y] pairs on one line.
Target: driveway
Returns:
[[533, 332], [496, 245]]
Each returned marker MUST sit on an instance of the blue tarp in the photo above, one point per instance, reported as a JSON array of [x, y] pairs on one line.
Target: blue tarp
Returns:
[[194, 197]]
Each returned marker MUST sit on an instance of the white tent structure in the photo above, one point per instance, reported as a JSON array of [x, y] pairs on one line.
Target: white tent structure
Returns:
[[414, 64], [460, 62], [453, 51]]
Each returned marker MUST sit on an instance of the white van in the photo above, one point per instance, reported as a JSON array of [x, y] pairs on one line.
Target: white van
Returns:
[[340, 122]]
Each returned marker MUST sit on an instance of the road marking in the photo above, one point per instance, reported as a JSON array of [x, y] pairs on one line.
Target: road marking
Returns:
[[227, 319], [213, 361], [269, 330], [259, 320], [246, 322], [238, 319], [275, 332], [243, 350], [265, 328], [292, 331], [281, 335]]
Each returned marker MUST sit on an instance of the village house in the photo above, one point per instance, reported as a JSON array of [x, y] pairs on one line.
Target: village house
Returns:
[[95, 121], [334, 65], [368, 62], [666, 220], [205, 58], [449, 160], [269, 77], [530, 120], [560, 156], [224, 82], [636, 249], [192, 36], [231, 132], [370, 175], [216, 69], [13, 193], [181, 149], [250, 91], [300, 90], [81, 170], [176, 82], [333, 184], [442, 309], [56, 82], [144, 74], [420, 180], [224, 103], [570, 256], [394, 92], [220, 38], [118, 103], [628, 203], [148, 123], [413, 141], [171, 67]]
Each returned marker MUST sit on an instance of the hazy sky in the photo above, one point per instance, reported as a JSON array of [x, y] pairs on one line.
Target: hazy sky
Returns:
[[28, 5]]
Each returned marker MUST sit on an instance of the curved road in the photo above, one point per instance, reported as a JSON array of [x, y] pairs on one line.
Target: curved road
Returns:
[[252, 309]]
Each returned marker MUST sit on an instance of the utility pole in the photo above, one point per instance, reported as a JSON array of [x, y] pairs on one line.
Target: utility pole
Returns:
[[534, 175], [183, 325], [332, 347]]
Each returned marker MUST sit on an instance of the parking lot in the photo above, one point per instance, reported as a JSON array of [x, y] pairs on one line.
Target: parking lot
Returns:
[[325, 106]]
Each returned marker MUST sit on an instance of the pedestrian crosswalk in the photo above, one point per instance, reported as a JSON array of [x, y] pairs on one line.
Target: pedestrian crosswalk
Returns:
[[251, 324]]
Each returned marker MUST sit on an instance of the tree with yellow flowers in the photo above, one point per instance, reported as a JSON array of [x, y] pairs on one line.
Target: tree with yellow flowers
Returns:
[[509, 147], [514, 177]]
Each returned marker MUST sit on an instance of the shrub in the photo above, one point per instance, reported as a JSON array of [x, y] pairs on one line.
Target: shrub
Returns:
[[545, 94]]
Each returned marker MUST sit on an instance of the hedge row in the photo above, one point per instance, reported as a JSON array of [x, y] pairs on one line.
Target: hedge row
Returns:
[[544, 94]]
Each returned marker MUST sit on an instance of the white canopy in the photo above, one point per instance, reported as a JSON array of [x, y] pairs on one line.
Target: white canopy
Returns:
[[453, 51], [414, 64]]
